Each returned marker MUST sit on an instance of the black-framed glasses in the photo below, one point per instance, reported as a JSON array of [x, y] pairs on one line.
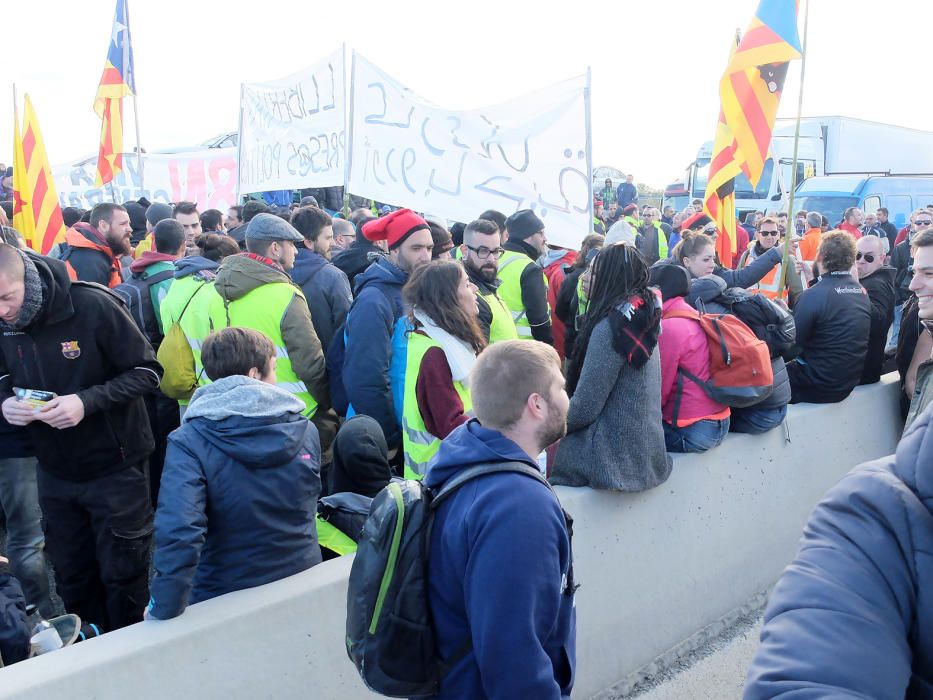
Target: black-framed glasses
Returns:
[[867, 257], [768, 233], [483, 252]]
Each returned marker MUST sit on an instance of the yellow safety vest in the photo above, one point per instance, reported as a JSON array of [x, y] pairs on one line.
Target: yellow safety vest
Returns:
[[263, 309], [662, 240], [511, 267], [333, 539], [418, 444], [502, 327]]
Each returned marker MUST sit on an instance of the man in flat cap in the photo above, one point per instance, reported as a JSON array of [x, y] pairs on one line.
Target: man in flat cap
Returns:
[[523, 286], [258, 293], [376, 308]]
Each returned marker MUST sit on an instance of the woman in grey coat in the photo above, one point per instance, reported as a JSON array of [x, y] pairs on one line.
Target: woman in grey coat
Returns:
[[615, 440]]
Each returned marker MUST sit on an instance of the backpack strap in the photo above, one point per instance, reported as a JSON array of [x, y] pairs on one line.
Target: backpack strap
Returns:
[[190, 299], [481, 470]]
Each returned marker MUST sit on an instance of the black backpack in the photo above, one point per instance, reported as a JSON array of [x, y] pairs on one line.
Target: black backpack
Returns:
[[136, 295], [390, 632], [768, 321]]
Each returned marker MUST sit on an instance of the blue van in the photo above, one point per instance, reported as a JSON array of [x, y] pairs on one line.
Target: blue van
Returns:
[[831, 195]]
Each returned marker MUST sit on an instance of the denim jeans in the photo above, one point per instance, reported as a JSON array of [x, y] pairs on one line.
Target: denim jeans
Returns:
[[895, 332], [756, 420], [25, 543], [698, 437]]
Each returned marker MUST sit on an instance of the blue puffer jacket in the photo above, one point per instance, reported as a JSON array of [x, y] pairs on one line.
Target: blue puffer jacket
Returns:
[[14, 629], [498, 573], [238, 497], [376, 307], [853, 615]]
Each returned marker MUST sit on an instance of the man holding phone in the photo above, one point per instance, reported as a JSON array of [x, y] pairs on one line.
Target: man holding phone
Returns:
[[92, 439]]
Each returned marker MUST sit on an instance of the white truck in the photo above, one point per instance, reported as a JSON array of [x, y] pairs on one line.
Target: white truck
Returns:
[[828, 146]]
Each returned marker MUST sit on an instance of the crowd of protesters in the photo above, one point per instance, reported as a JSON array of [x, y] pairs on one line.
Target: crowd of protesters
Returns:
[[233, 387]]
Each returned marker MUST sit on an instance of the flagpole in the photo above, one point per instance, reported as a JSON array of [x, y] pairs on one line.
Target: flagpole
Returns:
[[589, 147], [139, 148], [793, 171]]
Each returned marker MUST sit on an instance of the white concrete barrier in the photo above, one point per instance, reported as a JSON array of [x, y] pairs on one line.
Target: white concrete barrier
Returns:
[[655, 569]]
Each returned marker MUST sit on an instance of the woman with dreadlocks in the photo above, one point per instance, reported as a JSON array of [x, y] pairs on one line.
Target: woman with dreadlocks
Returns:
[[615, 440]]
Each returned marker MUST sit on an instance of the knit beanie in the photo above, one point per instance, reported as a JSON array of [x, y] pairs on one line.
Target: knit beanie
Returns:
[[32, 297], [672, 280], [394, 227], [523, 224]]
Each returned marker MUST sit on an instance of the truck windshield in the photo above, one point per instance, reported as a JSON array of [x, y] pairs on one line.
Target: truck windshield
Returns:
[[743, 188], [830, 207]]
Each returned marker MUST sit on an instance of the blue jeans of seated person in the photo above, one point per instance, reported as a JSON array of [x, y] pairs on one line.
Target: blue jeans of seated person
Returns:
[[701, 436], [756, 420]]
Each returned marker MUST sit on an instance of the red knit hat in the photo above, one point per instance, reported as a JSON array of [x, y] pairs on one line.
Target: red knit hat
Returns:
[[698, 220], [394, 227]]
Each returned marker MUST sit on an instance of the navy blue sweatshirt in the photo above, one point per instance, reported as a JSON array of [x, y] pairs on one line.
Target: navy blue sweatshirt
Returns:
[[500, 556]]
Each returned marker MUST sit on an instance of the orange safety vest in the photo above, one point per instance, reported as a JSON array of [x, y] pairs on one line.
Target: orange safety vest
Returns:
[[768, 285]]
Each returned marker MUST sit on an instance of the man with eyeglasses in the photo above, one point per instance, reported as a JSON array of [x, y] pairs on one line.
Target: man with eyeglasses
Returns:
[[768, 238], [480, 253], [652, 240], [878, 281]]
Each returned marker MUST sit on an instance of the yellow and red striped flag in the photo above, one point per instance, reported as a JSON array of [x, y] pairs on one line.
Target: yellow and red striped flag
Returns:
[[37, 215], [117, 82], [749, 94]]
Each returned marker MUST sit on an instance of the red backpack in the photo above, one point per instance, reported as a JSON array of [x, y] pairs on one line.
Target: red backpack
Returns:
[[740, 364]]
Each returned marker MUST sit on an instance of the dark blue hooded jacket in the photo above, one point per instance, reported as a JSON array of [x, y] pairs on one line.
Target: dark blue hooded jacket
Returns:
[[326, 290], [852, 617], [238, 497], [498, 569], [193, 264], [14, 628], [370, 324]]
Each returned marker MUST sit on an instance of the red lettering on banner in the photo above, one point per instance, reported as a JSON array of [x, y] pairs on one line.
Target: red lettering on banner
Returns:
[[223, 192]]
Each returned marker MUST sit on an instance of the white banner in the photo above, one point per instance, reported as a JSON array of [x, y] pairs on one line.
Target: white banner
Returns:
[[292, 130], [206, 177], [530, 153]]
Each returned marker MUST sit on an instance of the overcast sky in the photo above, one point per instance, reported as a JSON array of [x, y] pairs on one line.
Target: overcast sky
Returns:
[[656, 65]]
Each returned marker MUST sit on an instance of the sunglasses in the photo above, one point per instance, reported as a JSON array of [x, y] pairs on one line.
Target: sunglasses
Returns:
[[767, 233], [923, 222], [868, 257]]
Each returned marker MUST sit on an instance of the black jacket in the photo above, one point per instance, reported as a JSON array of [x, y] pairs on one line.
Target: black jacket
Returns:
[[880, 288], [84, 342], [833, 319], [14, 629], [485, 311], [355, 259], [890, 231], [326, 290], [567, 308], [534, 294], [901, 261]]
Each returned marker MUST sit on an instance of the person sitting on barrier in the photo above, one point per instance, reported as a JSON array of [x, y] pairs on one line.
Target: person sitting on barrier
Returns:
[[852, 616], [833, 319], [922, 362], [693, 422], [14, 627], [442, 350], [878, 281], [241, 481], [500, 575], [361, 459], [614, 378]]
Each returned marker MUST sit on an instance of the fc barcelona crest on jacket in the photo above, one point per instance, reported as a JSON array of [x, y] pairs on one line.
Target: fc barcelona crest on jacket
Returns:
[[70, 350]]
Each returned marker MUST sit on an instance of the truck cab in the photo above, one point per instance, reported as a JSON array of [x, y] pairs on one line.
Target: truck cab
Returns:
[[831, 195]]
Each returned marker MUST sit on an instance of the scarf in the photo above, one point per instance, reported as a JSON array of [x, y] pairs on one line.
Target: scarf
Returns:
[[32, 297], [636, 324], [459, 353], [265, 261]]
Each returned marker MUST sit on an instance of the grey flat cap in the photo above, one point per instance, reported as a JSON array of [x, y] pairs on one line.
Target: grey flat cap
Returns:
[[269, 227]]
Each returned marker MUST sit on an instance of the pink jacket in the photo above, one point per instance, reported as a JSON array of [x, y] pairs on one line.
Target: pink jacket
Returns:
[[683, 344]]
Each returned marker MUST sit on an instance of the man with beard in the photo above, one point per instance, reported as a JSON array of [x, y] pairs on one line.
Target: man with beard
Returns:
[[480, 253], [325, 286], [374, 313], [500, 574], [93, 250], [257, 293], [524, 287]]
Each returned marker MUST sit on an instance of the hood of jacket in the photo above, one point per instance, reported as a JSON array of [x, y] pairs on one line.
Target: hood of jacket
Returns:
[[150, 257], [307, 263], [56, 288], [552, 256], [240, 274], [185, 267], [382, 273], [910, 464], [83, 235], [254, 423], [471, 444]]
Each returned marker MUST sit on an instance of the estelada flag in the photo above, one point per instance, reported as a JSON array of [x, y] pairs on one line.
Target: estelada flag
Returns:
[[117, 82], [37, 215], [749, 94]]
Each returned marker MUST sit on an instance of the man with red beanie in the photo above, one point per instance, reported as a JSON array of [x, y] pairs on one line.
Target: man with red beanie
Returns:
[[375, 310]]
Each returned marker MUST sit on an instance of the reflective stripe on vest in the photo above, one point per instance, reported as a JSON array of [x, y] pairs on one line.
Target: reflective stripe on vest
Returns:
[[418, 444], [501, 327], [510, 291], [263, 309]]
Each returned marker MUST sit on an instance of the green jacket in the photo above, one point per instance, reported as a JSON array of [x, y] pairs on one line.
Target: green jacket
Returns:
[[239, 275]]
